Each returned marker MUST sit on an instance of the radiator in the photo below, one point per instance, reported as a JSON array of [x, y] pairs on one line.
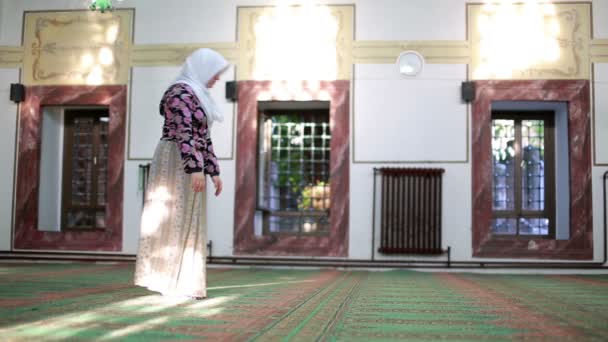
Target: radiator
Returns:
[[410, 210], [144, 174]]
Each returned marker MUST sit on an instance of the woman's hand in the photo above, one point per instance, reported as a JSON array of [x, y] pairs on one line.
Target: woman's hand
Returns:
[[217, 182], [198, 181]]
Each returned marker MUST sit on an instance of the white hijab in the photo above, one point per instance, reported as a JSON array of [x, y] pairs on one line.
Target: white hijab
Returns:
[[198, 69]]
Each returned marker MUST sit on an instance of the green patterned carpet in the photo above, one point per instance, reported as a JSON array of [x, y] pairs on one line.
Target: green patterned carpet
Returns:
[[40, 302]]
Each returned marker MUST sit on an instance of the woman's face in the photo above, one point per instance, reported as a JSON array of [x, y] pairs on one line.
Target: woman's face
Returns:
[[213, 79]]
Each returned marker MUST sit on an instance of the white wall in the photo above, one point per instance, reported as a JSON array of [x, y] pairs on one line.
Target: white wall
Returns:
[[51, 167], [162, 22], [188, 21], [220, 211], [411, 20], [600, 147], [416, 125], [145, 122], [598, 213], [601, 112], [158, 21], [600, 20], [456, 216], [400, 119], [12, 15], [1, 16], [203, 23], [132, 206], [191, 21], [8, 122]]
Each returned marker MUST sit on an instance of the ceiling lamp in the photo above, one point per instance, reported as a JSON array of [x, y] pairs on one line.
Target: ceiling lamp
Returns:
[[101, 5], [410, 63]]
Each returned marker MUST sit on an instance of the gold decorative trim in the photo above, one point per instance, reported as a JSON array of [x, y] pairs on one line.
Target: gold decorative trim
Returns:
[[246, 17], [77, 47], [599, 51], [176, 54], [345, 39], [11, 56], [433, 51], [363, 52], [350, 52]]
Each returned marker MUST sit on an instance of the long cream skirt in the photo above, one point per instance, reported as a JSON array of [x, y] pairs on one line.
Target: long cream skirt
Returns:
[[172, 243]]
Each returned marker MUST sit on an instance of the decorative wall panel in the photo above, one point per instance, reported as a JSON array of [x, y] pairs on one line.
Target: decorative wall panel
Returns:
[[529, 41], [77, 47], [249, 17]]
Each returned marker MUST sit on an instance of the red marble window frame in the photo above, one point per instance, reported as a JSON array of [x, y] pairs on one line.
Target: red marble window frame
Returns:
[[26, 234], [245, 241], [577, 95]]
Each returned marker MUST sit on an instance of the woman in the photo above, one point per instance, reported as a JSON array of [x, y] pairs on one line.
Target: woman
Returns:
[[172, 245]]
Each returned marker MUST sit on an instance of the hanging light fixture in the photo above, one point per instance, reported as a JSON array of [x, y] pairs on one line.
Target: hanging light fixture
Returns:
[[410, 63], [101, 5]]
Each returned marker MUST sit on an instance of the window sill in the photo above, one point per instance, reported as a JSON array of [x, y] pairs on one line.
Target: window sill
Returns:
[[521, 237], [534, 247]]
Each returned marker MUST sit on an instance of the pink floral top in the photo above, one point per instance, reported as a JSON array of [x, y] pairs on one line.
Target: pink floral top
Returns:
[[186, 124]]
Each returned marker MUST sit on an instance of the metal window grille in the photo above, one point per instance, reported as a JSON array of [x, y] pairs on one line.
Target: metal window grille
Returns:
[[85, 169], [294, 172]]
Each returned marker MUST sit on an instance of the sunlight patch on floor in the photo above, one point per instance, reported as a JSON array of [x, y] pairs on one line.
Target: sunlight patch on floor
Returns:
[[69, 325]]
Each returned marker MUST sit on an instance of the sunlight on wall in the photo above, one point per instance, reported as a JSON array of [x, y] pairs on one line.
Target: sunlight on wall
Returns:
[[516, 37], [296, 43], [294, 91], [95, 65]]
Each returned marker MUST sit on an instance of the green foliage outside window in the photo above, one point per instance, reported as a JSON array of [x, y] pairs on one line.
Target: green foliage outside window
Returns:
[[291, 150]]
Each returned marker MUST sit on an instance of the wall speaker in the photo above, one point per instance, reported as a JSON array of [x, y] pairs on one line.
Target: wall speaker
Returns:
[[17, 93], [467, 91], [231, 91]]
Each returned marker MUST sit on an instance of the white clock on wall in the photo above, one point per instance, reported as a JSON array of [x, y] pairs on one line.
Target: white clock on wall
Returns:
[[410, 63]]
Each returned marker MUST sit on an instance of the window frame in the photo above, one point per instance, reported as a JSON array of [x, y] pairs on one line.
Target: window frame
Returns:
[[304, 108], [66, 197], [549, 168]]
